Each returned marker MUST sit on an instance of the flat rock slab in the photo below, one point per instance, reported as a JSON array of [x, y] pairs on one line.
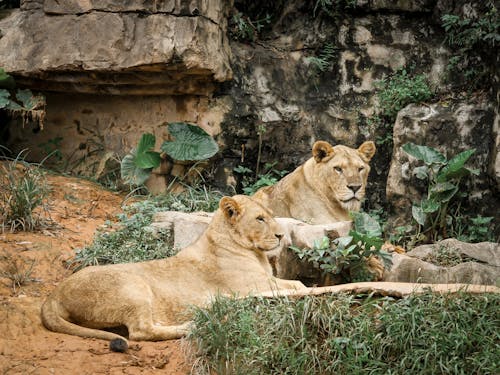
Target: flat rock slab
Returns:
[[483, 267], [109, 47]]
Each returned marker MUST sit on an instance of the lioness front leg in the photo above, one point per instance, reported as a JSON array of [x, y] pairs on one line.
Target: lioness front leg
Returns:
[[288, 284]]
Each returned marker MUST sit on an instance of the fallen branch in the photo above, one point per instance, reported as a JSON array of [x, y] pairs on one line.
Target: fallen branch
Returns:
[[383, 288]]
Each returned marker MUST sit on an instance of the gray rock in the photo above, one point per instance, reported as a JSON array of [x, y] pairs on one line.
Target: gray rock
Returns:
[[187, 227], [412, 267]]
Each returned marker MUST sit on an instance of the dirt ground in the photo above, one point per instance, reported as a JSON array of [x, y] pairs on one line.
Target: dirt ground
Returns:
[[77, 208]]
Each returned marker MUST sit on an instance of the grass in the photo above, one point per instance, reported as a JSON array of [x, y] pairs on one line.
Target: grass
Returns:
[[24, 190], [132, 240], [17, 270], [344, 334], [446, 256]]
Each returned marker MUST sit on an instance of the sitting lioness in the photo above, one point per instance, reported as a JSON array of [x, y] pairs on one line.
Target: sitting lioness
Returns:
[[151, 298], [323, 189]]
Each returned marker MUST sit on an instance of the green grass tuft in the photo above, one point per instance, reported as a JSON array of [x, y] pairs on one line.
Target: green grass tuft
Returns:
[[343, 334]]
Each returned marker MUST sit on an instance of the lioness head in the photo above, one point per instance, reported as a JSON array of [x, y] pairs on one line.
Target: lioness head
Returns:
[[344, 171], [251, 225]]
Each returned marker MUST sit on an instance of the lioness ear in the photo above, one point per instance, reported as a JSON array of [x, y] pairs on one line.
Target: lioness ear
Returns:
[[367, 150], [321, 150], [230, 207]]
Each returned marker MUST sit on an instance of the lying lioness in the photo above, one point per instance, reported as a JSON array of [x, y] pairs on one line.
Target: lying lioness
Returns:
[[323, 189], [151, 298]]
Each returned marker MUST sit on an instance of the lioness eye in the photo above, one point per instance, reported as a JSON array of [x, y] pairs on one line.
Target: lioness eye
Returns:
[[338, 169], [361, 169], [261, 219]]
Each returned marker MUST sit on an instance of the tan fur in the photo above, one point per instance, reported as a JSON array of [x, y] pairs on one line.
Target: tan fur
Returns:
[[152, 298], [321, 190]]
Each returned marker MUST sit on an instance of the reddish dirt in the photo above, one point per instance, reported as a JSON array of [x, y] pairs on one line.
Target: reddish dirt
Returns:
[[77, 208]]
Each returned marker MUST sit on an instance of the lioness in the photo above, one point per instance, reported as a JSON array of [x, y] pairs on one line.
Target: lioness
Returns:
[[323, 189], [151, 298]]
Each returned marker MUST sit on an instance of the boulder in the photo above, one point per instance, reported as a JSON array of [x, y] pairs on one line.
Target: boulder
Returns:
[[187, 227], [480, 266]]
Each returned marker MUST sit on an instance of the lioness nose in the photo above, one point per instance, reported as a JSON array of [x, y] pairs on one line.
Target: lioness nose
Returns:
[[354, 188], [279, 236]]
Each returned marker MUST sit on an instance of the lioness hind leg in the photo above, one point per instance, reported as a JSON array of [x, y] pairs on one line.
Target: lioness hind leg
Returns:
[[153, 332]]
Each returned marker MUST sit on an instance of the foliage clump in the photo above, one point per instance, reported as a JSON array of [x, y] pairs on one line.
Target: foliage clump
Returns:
[[393, 94], [24, 191], [473, 38], [347, 258], [343, 334], [19, 102], [132, 240], [269, 176]]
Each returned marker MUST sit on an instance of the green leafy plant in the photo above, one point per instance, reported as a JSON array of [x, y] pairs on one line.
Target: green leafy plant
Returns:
[[474, 229], [269, 177], [190, 143], [24, 190], [323, 61], [393, 94], [21, 102], [443, 177], [344, 334], [348, 256], [474, 40], [242, 28], [400, 89]]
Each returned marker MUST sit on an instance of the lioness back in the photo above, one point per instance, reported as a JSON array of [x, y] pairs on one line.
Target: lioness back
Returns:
[[323, 189]]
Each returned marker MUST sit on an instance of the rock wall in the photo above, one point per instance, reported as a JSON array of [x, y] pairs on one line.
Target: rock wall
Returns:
[[113, 70]]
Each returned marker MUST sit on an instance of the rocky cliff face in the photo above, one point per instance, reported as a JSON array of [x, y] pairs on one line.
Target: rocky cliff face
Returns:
[[113, 70], [115, 48]]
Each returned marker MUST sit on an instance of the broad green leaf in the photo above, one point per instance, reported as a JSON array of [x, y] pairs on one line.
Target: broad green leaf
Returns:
[[443, 192], [422, 172], [365, 224], [454, 167], [131, 173], [145, 158], [418, 214], [367, 240], [343, 241], [429, 206], [26, 97], [190, 142], [4, 98], [426, 154]]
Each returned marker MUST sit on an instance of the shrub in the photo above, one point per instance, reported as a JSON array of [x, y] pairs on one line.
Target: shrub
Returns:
[[397, 91], [347, 257]]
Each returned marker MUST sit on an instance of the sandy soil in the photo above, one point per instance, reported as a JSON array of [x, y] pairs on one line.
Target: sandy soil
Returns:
[[77, 208]]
